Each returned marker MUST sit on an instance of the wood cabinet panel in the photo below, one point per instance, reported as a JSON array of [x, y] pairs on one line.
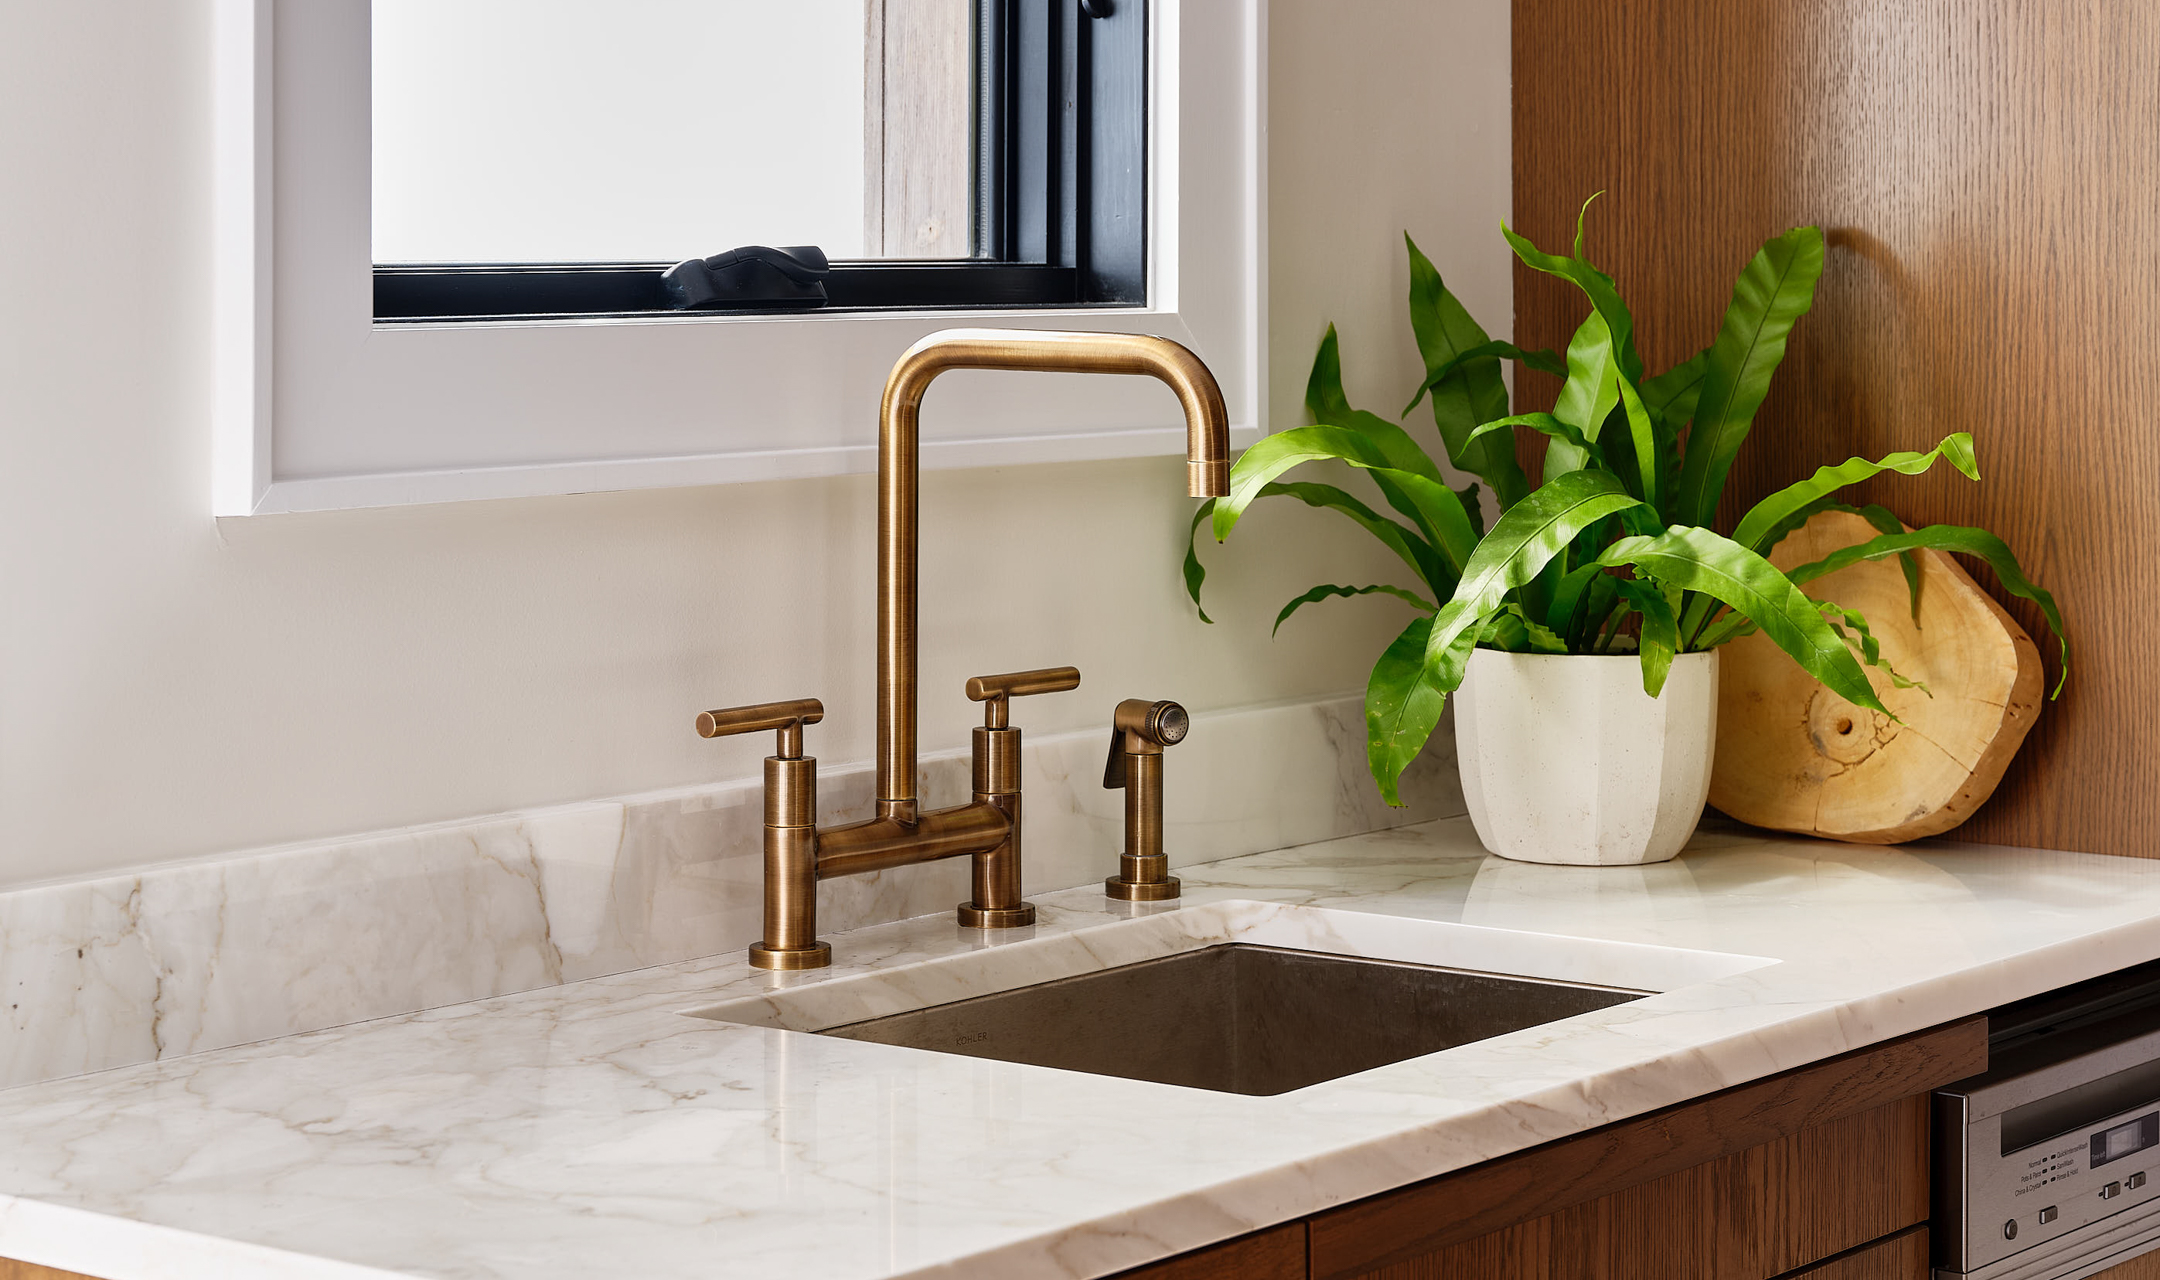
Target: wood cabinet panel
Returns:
[[10, 1269], [1983, 169], [1758, 1213], [2145, 1268], [1901, 1257], [1429, 1216], [1277, 1253]]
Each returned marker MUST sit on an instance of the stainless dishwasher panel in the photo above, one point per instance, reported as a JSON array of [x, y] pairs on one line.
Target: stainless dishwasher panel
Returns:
[[2047, 1167]]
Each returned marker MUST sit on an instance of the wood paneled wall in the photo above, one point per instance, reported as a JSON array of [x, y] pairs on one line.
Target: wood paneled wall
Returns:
[[1988, 174]]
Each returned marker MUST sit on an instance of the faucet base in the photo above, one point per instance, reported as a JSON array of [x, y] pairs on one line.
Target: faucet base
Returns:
[[815, 956], [1142, 890], [975, 917]]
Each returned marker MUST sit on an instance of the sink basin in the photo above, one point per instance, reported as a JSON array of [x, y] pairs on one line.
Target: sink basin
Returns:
[[1238, 1018], [1238, 996]]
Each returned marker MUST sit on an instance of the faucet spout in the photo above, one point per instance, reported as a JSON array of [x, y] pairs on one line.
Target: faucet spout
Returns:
[[1207, 439]]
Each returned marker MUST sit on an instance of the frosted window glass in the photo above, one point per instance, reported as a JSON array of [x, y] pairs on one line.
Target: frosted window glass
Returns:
[[615, 130]]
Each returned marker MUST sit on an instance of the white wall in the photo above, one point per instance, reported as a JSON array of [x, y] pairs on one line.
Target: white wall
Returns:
[[171, 686]]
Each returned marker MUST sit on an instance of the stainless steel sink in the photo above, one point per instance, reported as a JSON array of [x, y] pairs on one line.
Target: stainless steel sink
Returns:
[[1238, 1017]]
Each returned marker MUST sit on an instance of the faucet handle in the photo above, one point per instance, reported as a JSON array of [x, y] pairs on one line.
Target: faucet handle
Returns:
[[996, 692], [788, 718]]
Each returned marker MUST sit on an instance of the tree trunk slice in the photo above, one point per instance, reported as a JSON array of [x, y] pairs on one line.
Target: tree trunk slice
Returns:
[[1793, 756]]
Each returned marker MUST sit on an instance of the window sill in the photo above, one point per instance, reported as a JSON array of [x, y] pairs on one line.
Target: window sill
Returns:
[[319, 406]]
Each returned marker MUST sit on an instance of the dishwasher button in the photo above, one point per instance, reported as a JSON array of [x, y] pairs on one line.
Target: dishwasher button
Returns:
[[2047, 1215], [2110, 1191], [2134, 1181]]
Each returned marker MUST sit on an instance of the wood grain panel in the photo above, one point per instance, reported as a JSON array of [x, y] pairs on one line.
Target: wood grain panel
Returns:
[[1429, 1216], [10, 1269], [1984, 170], [2145, 1268], [1901, 1257], [1277, 1253], [1755, 1214]]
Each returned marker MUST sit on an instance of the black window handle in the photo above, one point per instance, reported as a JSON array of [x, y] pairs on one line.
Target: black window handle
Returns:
[[753, 275]]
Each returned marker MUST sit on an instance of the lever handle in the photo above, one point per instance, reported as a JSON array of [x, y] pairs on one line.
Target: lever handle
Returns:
[[997, 691], [1140, 727], [788, 718]]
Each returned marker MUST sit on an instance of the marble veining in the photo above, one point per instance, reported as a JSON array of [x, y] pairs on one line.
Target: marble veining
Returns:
[[180, 959], [593, 1128]]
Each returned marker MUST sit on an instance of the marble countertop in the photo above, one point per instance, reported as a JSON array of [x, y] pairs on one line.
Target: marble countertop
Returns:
[[594, 1129]]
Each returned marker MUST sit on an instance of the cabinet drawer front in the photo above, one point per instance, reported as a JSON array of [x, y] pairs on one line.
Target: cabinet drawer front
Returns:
[[1553, 1185], [1766, 1211], [1901, 1257]]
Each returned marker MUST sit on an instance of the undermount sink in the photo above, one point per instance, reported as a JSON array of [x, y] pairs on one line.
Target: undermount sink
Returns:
[[1236, 996], [1238, 1018]]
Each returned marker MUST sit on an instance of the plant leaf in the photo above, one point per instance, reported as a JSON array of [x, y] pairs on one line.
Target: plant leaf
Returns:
[[1725, 630], [1401, 707], [1660, 638], [1696, 559], [1530, 534], [1672, 394], [1436, 507], [1411, 548], [1839, 617], [1548, 425], [1596, 285], [1543, 360], [1643, 433], [1326, 590], [1474, 393], [1513, 631], [1195, 572], [1324, 399], [1774, 290], [1875, 514], [1588, 395], [1598, 601], [1949, 537], [1567, 594], [1768, 517], [1473, 509], [1329, 406]]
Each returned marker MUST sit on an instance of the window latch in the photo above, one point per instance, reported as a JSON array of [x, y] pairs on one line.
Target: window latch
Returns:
[[752, 276]]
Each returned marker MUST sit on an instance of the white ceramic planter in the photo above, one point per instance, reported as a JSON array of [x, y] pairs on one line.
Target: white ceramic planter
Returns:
[[1565, 759]]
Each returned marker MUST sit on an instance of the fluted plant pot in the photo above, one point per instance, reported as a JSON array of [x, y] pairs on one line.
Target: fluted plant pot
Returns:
[[1566, 760]]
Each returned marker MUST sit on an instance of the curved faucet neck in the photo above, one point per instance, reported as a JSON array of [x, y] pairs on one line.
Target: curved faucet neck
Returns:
[[1207, 437]]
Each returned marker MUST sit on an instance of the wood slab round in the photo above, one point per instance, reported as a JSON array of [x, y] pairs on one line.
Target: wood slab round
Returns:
[[1793, 756]]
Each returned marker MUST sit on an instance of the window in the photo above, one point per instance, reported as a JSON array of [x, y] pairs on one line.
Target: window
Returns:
[[318, 404], [556, 157]]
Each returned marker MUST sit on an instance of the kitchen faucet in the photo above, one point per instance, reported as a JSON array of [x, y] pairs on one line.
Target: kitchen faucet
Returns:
[[797, 853]]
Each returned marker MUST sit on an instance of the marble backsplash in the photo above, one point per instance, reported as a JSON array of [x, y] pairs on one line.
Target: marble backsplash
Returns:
[[206, 954]]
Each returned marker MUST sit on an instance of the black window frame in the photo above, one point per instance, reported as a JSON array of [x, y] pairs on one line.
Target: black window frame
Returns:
[[1060, 201]]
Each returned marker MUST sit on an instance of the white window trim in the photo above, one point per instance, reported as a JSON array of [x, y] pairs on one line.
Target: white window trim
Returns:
[[317, 408]]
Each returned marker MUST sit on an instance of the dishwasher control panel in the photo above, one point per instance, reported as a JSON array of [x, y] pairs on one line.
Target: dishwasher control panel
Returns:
[[2045, 1164]]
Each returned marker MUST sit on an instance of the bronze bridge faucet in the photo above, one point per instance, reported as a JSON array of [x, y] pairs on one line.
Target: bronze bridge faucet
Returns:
[[987, 829]]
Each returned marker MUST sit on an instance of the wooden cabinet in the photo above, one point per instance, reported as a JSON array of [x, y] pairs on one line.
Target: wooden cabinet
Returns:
[[1902, 1257], [2145, 1268], [13, 1270], [1820, 1173]]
